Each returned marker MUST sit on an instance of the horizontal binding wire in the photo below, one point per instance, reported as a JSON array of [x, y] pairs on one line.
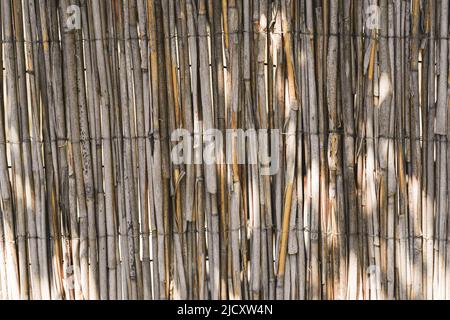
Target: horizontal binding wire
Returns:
[[64, 141], [206, 230], [373, 36]]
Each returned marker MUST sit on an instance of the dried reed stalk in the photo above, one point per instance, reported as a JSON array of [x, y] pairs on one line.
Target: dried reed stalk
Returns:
[[93, 205]]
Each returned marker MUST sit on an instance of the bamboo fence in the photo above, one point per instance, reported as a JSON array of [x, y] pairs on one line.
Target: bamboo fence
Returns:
[[93, 207]]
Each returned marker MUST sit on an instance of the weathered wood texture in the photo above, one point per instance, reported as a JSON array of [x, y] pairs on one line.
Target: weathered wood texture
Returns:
[[93, 205]]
